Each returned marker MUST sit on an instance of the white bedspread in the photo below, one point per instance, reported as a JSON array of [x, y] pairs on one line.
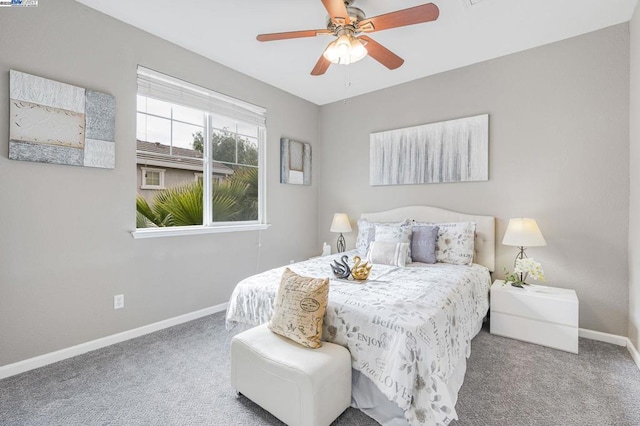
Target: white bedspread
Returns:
[[406, 328]]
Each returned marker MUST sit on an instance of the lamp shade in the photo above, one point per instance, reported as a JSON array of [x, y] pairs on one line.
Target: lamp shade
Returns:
[[523, 232], [340, 223]]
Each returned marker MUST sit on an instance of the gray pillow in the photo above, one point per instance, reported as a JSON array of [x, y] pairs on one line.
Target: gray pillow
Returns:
[[423, 243]]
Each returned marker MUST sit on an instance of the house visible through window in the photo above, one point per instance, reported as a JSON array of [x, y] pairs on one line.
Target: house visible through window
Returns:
[[184, 133]]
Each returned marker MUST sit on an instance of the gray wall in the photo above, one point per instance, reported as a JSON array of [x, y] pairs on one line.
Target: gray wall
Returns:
[[558, 152], [634, 208], [65, 243]]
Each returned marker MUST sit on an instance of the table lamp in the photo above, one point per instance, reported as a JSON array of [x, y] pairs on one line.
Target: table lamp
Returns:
[[523, 232], [340, 224]]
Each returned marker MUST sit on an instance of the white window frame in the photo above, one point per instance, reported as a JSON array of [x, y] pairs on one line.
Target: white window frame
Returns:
[[145, 185], [173, 90]]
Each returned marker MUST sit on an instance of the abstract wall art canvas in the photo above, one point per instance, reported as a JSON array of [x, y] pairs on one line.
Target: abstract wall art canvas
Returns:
[[295, 162], [53, 122], [449, 151]]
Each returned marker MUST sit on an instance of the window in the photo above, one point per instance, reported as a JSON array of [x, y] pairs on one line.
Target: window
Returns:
[[185, 133], [152, 178]]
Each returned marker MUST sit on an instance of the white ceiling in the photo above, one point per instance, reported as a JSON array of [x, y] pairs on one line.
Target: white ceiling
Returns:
[[225, 32]]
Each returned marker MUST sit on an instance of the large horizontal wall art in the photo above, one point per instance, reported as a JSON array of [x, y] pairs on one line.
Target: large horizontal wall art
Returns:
[[450, 151], [52, 122], [295, 162]]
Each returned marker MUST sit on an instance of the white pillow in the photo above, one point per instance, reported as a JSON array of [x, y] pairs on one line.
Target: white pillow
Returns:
[[388, 253], [455, 243], [367, 230], [365, 236], [395, 233]]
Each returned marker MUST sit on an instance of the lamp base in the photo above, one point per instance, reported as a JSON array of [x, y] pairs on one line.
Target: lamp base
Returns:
[[341, 245], [521, 255]]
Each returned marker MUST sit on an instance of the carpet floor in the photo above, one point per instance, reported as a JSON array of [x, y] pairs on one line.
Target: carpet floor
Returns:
[[179, 376]]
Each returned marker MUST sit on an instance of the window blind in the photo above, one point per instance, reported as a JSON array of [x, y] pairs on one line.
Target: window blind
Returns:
[[166, 88]]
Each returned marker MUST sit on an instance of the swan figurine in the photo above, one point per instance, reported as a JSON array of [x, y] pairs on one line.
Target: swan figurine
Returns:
[[341, 269], [360, 271]]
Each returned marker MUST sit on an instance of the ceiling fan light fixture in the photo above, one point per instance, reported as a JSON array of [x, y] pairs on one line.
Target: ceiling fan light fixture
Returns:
[[345, 22], [346, 49], [358, 51]]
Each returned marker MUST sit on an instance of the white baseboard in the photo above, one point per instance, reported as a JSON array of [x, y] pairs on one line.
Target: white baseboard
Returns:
[[46, 359], [634, 353], [614, 339], [603, 337]]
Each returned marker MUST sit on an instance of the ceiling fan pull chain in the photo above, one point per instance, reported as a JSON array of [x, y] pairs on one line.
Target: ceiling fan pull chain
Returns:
[[347, 84]]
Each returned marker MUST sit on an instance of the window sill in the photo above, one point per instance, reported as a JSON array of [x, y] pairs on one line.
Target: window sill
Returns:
[[176, 231]]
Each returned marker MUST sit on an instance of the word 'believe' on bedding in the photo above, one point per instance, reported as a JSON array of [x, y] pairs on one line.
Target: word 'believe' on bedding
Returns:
[[391, 325]]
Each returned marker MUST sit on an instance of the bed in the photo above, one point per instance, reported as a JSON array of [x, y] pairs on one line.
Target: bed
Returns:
[[408, 329]]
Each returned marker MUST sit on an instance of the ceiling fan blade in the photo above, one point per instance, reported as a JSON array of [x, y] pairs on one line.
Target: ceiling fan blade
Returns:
[[400, 18], [292, 34], [337, 11], [321, 66], [381, 53]]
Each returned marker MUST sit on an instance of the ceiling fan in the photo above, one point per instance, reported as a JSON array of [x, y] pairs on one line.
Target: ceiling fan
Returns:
[[347, 23]]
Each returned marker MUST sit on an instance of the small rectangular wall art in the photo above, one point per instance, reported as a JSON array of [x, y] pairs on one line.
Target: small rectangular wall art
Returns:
[[295, 162], [53, 122], [449, 151]]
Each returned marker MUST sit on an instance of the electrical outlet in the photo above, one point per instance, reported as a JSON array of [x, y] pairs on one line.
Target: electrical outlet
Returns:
[[291, 262], [118, 301]]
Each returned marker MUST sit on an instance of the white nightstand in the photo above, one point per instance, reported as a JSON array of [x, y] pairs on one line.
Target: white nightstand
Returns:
[[538, 314]]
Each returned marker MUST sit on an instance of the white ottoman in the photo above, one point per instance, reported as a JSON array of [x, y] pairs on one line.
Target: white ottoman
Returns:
[[298, 385]]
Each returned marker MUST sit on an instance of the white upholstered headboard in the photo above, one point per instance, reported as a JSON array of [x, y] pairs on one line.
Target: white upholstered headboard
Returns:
[[485, 244]]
